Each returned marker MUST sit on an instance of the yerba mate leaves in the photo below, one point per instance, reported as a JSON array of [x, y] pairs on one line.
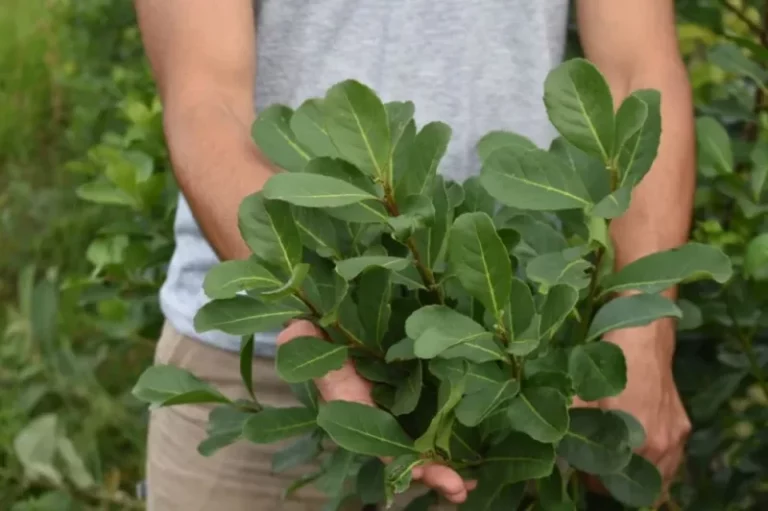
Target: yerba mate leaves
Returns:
[[305, 358], [598, 370], [596, 442], [272, 133], [243, 315], [269, 231], [227, 279], [629, 311], [273, 424]]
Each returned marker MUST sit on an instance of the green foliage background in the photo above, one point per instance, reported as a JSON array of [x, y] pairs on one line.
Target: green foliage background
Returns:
[[86, 203]]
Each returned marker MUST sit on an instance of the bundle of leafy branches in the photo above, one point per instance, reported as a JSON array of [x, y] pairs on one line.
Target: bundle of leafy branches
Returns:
[[477, 309]]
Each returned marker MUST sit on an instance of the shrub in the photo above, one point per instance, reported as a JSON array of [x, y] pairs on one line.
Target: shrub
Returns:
[[478, 321]]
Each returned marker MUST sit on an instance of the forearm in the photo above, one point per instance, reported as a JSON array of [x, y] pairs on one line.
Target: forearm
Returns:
[[217, 165]]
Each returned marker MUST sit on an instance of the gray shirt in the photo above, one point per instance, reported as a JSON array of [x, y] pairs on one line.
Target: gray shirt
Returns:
[[477, 65]]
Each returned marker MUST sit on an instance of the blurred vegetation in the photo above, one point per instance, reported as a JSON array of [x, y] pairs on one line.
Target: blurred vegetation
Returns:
[[86, 204]]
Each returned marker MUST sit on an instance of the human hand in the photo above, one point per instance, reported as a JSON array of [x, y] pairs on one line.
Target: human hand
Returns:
[[651, 394], [346, 385]]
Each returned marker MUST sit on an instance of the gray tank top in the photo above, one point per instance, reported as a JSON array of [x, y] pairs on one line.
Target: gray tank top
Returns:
[[478, 65]]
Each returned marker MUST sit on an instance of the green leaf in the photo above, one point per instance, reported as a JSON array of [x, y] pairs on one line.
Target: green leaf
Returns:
[[227, 279], [246, 363], [598, 370], [493, 493], [398, 475], [357, 123], [306, 358], [637, 485], [313, 190], [273, 424], [482, 349], [714, 147], [533, 179], [270, 231], [374, 297], [75, 469], [400, 116], [756, 258], [308, 125], [35, 445], [431, 242], [166, 385], [437, 328], [596, 442], [307, 394], [495, 139], [561, 382], [732, 60], [318, 231], [400, 351], [370, 482], [580, 105], [293, 284], [351, 268], [614, 204], [302, 451], [662, 270], [481, 261], [629, 311], [225, 427], [541, 413], [416, 213], [566, 267], [639, 151], [364, 429], [476, 406], [423, 158], [449, 395], [272, 133], [759, 174], [591, 169], [520, 310], [336, 471], [475, 197], [538, 236], [553, 494], [630, 117], [478, 376], [466, 443], [559, 302], [634, 428], [521, 458], [408, 391], [242, 315]]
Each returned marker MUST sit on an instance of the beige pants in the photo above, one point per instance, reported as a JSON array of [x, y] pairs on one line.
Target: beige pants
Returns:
[[236, 478]]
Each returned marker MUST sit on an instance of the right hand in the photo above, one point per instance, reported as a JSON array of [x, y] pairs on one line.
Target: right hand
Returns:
[[346, 385]]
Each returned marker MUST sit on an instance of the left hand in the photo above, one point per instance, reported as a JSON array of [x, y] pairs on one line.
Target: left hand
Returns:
[[651, 395]]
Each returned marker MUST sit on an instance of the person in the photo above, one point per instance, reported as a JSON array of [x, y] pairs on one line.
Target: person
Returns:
[[477, 65]]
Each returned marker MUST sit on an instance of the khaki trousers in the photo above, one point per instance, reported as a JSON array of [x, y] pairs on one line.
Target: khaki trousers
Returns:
[[236, 478]]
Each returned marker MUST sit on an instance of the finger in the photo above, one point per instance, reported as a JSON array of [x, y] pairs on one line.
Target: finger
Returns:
[[470, 485], [298, 328], [446, 481]]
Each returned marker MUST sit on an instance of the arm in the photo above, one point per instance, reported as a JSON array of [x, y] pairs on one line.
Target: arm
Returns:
[[634, 44], [202, 55]]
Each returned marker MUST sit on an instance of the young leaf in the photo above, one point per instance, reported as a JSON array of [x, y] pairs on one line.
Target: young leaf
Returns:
[[475, 407], [533, 180], [416, 213], [408, 391], [306, 358], [400, 351], [566, 267], [478, 376], [398, 475], [493, 493], [714, 154], [302, 451], [449, 395], [166, 385], [630, 117], [298, 274], [228, 278], [363, 429], [374, 297], [520, 310], [580, 105], [313, 190], [661, 270], [351, 268], [521, 458], [431, 242], [400, 116], [437, 328], [242, 315], [273, 424], [628, 311], [637, 485], [541, 413], [423, 158], [596, 442], [308, 125], [598, 370], [639, 151], [495, 139], [272, 133], [270, 231], [559, 302], [357, 123], [225, 427]]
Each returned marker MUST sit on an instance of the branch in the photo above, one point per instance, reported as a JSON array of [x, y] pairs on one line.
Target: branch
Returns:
[[754, 27]]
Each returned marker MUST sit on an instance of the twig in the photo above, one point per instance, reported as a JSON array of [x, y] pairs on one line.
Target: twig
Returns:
[[754, 27]]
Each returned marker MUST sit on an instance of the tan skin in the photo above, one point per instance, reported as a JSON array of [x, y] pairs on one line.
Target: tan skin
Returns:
[[203, 57]]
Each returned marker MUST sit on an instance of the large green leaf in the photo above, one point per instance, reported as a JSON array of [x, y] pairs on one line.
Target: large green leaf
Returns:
[[714, 147], [364, 429], [482, 349], [629, 311], [598, 370], [661, 270], [305, 358], [533, 180], [495, 139], [225, 427], [630, 117], [318, 231], [520, 309], [423, 158], [308, 125], [521, 458], [597, 442], [478, 405], [227, 279], [636, 430], [242, 315], [313, 190], [541, 413], [478, 376], [374, 298], [639, 151], [408, 390], [352, 267], [270, 231], [637, 485], [272, 133], [166, 385], [436, 328], [592, 170], [580, 105], [431, 242], [553, 379], [475, 197], [566, 267], [559, 302], [273, 424], [480, 260], [614, 204], [400, 116], [357, 123], [370, 482]]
